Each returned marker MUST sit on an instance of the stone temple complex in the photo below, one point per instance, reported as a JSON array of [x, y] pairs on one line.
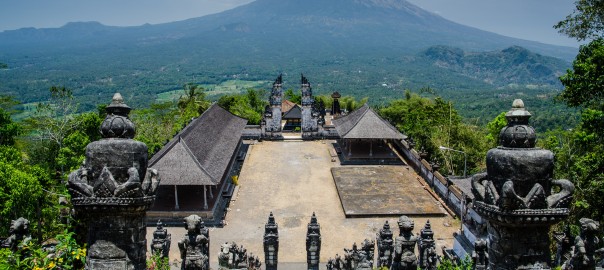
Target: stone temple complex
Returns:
[[517, 197]]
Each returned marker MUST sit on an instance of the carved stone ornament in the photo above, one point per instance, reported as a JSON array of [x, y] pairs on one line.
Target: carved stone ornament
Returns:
[[111, 191], [515, 196]]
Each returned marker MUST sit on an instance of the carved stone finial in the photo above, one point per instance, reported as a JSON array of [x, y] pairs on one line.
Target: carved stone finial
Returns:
[[518, 133], [117, 124], [427, 248]]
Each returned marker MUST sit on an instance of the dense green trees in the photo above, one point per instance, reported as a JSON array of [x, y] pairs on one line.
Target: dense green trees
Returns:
[[249, 105], [579, 151], [434, 122]]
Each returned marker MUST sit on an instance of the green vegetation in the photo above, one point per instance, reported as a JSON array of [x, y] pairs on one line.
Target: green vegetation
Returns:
[[3, 66], [68, 254], [249, 105], [579, 150], [585, 22], [465, 264], [435, 122]]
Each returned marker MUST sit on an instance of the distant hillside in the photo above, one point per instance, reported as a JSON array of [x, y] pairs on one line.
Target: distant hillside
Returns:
[[360, 47], [514, 65]]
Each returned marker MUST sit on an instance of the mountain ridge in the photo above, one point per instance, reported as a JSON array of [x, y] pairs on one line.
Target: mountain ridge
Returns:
[[362, 44]]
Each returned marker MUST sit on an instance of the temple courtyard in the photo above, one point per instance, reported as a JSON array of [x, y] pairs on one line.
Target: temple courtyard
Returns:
[[293, 179]]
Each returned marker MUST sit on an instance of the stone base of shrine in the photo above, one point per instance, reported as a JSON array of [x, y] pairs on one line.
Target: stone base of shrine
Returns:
[[383, 191]]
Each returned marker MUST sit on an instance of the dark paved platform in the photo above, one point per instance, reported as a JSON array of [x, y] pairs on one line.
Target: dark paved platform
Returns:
[[383, 191]]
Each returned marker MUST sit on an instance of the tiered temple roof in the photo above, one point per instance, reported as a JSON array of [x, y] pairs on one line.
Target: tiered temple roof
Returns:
[[200, 154], [364, 123]]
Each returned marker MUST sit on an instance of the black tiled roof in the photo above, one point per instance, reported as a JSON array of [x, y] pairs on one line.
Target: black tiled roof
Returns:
[[364, 123], [294, 113]]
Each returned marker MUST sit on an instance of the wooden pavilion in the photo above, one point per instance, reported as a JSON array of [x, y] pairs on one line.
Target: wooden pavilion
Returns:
[[195, 166], [293, 118], [365, 138]]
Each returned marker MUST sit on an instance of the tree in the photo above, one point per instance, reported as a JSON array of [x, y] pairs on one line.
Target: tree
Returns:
[[494, 128], [433, 123], [20, 191], [249, 105], [584, 84], [156, 125], [579, 151], [293, 97], [586, 21], [8, 129]]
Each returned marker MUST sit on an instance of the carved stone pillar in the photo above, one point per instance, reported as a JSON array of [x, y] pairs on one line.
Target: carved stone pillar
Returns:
[[385, 245], [271, 243], [313, 243], [111, 192], [161, 241], [427, 248], [515, 197]]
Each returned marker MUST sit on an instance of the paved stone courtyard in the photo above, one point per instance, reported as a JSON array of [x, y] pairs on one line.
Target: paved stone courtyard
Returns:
[[293, 179], [383, 191]]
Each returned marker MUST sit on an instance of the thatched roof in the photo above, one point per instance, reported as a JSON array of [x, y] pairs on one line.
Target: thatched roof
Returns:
[[364, 123], [286, 105], [293, 113], [200, 154]]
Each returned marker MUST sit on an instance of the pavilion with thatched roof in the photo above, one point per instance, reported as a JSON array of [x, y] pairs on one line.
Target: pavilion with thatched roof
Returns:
[[365, 137], [195, 165]]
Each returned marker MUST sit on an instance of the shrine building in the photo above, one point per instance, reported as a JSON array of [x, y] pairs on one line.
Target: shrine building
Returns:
[[197, 165]]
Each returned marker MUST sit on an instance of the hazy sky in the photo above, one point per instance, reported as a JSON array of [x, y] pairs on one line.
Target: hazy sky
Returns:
[[526, 19]]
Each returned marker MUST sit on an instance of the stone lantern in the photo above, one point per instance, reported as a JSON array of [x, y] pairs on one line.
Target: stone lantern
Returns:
[[515, 197], [111, 192]]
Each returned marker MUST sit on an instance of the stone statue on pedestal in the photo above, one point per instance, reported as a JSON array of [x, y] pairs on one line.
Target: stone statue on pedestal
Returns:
[[161, 241], [404, 246], [586, 245], [112, 191], [195, 245]]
